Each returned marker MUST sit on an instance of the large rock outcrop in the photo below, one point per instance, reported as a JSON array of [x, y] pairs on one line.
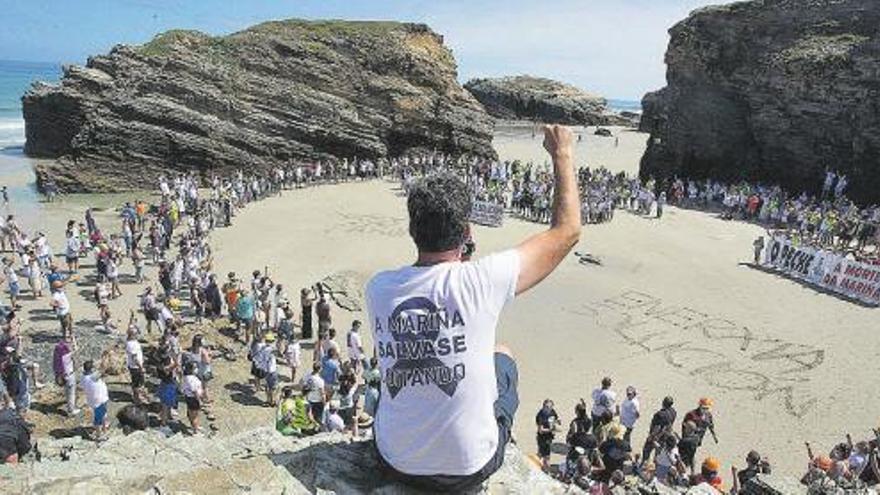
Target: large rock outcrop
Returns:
[[275, 92], [255, 461], [540, 99], [771, 90]]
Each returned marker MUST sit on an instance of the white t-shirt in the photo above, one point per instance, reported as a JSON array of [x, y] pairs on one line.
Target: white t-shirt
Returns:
[[192, 386], [62, 304], [334, 422], [434, 330], [72, 250], [315, 385], [134, 356], [603, 400], [95, 390], [629, 412], [293, 354], [354, 346]]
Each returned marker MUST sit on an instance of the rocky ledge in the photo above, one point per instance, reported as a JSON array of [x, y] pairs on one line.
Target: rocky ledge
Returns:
[[771, 90], [273, 93], [543, 100], [256, 461]]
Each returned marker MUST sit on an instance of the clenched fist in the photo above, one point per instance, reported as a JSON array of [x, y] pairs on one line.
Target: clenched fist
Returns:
[[558, 140]]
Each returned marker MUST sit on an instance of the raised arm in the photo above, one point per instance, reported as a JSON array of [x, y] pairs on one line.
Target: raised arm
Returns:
[[542, 253]]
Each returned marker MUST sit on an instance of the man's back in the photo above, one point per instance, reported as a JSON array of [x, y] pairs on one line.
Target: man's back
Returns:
[[434, 329]]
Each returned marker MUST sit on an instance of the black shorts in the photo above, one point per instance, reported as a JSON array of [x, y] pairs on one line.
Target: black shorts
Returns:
[[71, 259], [507, 381], [545, 444], [193, 403], [137, 377]]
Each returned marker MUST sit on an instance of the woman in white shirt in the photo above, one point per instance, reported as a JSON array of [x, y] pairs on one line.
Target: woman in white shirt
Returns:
[[192, 393]]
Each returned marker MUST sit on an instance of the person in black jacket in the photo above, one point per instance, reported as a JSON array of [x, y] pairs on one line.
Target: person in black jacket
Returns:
[[661, 423]]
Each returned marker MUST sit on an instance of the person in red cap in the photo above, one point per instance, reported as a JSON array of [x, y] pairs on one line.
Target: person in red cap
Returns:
[[702, 418]]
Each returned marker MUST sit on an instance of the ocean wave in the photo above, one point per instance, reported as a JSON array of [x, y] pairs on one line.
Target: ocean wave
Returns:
[[11, 125]]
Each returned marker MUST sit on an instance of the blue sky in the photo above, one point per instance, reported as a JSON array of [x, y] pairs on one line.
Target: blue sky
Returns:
[[611, 47]]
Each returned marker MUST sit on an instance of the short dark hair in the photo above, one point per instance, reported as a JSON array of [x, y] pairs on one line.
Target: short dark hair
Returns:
[[439, 211]]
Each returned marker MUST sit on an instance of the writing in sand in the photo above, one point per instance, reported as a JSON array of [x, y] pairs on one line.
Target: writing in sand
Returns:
[[723, 353]]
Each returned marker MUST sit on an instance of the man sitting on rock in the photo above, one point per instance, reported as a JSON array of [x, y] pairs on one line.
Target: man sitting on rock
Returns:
[[443, 422]]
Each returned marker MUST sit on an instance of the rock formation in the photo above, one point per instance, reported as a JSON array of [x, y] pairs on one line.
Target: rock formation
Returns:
[[273, 93], [543, 100], [771, 90], [263, 461], [254, 461]]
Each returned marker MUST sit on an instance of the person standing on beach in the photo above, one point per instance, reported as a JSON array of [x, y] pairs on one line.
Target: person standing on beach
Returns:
[[307, 299], [11, 277], [661, 425], [630, 411], [97, 398], [134, 361], [547, 421], [449, 432], [604, 401], [61, 305], [702, 418], [65, 372]]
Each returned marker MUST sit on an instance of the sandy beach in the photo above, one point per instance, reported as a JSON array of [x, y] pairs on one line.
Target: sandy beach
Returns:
[[674, 309]]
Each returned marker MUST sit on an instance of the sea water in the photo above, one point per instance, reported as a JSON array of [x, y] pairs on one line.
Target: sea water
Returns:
[[15, 79], [16, 170]]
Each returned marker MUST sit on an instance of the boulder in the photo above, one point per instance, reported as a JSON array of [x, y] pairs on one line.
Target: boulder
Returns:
[[773, 91], [259, 98], [540, 99]]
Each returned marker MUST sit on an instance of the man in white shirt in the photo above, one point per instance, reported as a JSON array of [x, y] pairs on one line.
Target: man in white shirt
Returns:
[[61, 305], [604, 401], [313, 384], [134, 361], [630, 410], [448, 395], [355, 346], [97, 397]]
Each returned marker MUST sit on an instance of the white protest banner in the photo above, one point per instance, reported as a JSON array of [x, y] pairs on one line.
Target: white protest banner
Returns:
[[826, 269], [487, 213]]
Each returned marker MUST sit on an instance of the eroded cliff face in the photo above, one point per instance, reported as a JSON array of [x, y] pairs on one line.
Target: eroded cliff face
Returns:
[[771, 90], [542, 100], [262, 97]]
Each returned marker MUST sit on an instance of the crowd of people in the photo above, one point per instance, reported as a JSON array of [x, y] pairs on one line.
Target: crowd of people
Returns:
[[172, 236], [600, 457], [828, 220], [526, 189]]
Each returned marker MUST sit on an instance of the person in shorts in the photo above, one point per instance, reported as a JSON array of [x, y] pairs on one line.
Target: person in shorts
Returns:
[[192, 394], [134, 361], [97, 398], [449, 391], [547, 420]]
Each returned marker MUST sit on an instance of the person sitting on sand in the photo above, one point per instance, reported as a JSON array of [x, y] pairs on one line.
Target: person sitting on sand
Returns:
[[450, 432]]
